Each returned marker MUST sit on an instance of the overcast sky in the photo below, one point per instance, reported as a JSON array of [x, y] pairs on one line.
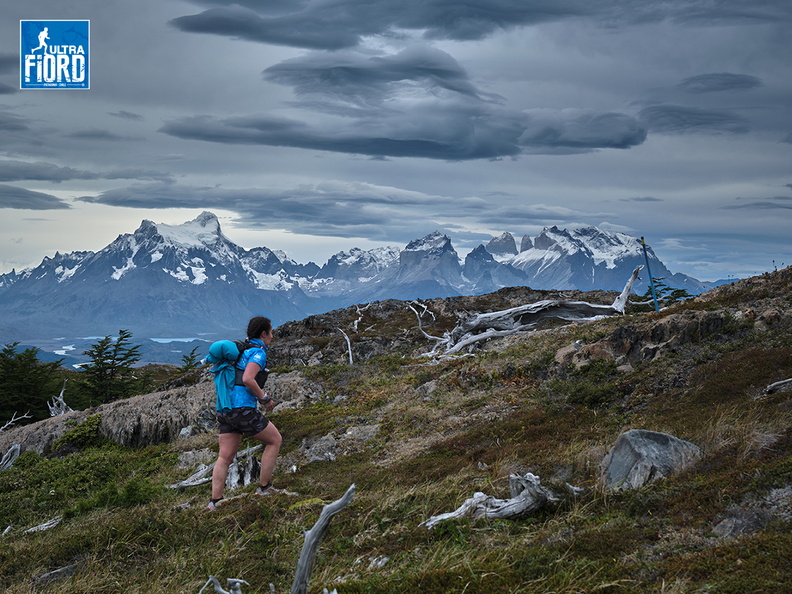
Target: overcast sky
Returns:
[[314, 126]]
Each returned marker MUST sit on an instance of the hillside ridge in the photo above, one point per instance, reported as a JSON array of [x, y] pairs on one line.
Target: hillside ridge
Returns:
[[419, 436]]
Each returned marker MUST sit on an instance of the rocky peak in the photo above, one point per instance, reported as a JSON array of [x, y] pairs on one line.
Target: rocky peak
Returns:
[[503, 245], [434, 242]]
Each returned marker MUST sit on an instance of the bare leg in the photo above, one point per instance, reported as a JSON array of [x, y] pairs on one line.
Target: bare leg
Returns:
[[229, 444], [271, 438]]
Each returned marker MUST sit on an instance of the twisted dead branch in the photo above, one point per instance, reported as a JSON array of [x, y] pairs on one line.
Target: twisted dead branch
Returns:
[[246, 475], [779, 386], [476, 328], [58, 406], [312, 539], [14, 419], [527, 496], [10, 457]]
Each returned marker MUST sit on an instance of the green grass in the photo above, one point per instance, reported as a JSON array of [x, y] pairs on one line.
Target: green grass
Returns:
[[504, 411]]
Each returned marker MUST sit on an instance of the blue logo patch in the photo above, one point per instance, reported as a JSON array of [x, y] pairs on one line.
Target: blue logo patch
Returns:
[[54, 55]]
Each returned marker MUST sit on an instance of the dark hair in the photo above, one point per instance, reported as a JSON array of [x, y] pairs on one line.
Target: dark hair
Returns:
[[257, 325]]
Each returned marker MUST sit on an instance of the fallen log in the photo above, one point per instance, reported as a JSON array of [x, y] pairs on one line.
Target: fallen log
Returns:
[[236, 477], [474, 328], [527, 496], [779, 386], [45, 526]]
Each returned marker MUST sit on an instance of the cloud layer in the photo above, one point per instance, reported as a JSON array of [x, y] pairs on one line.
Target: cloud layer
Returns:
[[379, 121]]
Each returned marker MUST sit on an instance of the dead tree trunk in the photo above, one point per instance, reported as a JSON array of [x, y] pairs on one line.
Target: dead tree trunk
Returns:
[[59, 406], [312, 539], [349, 345], [10, 457]]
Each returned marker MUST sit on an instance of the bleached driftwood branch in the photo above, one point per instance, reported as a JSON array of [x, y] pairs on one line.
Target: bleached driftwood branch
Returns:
[[199, 477], [474, 328], [10, 457], [527, 496], [349, 345], [305, 563], [14, 419], [778, 386], [45, 526], [438, 339], [426, 310], [55, 575], [360, 316], [312, 540], [621, 301], [233, 585], [59, 406]]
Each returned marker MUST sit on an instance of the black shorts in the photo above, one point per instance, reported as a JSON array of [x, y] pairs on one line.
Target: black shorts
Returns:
[[247, 421]]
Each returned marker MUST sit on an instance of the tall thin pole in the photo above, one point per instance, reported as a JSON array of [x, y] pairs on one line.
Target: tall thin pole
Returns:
[[649, 270]]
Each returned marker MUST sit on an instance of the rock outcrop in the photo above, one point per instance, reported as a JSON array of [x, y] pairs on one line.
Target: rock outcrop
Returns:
[[134, 422], [153, 418], [640, 457]]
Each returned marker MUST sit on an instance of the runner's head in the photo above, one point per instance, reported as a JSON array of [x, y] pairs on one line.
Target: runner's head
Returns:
[[257, 325]]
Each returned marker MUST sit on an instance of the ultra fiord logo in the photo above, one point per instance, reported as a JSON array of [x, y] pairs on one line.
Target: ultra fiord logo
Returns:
[[54, 54]]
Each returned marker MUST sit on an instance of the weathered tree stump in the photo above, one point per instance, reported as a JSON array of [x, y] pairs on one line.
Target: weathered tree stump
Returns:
[[527, 496]]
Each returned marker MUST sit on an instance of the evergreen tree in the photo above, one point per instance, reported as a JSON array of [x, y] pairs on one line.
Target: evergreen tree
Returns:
[[190, 361], [110, 375], [26, 384], [665, 295]]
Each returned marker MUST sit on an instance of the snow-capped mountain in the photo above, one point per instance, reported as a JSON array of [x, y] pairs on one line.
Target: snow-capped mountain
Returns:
[[190, 280], [589, 258]]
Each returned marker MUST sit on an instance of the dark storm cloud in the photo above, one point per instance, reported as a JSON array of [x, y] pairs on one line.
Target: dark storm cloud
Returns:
[[678, 119], [368, 78], [584, 132], [21, 170], [338, 25], [433, 132], [9, 63], [39, 171], [11, 122], [7, 89], [20, 198], [342, 24], [268, 7], [772, 203], [719, 82], [101, 135], [327, 209], [453, 130], [126, 115]]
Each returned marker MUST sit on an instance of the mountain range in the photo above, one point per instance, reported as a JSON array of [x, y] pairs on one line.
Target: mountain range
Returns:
[[190, 280]]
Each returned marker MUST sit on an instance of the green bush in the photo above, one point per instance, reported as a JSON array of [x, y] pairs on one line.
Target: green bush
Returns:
[[83, 435]]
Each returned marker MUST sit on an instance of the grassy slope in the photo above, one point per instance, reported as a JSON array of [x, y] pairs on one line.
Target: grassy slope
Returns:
[[508, 409]]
